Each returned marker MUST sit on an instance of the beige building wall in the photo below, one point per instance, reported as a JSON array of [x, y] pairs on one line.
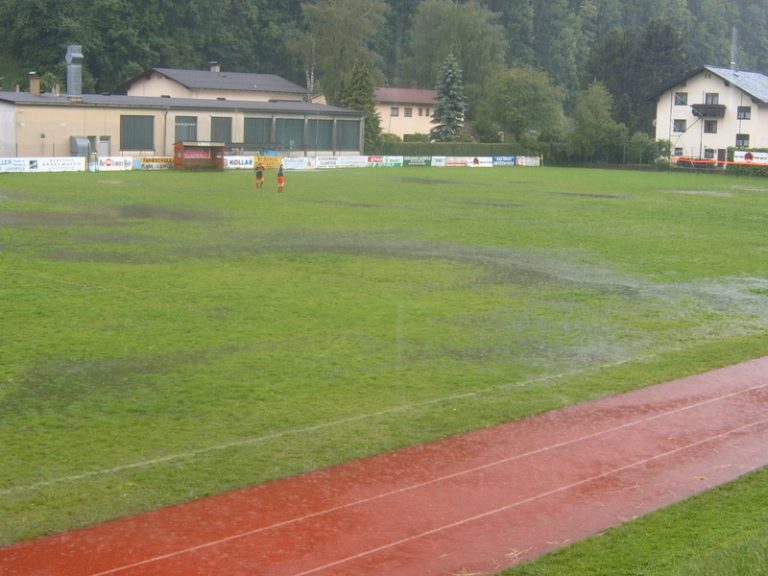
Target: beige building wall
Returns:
[[7, 130], [405, 111], [30, 130], [694, 137], [405, 118]]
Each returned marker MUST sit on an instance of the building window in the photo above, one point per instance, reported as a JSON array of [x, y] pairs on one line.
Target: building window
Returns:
[[347, 135], [744, 113], [678, 151], [679, 126], [407, 112], [186, 129], [421, 111], [137, 133], [742, 140], [681, 98], [394, 111], [257, 132], [711, 98], [710, 126], [709, 154], [320, 134], [289, 133], [221, 130]]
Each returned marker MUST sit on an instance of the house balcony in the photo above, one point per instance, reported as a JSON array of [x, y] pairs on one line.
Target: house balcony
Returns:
[[708, 110]]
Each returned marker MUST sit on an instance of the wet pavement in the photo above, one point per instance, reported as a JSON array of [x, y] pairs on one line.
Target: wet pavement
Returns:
[[471, 504]]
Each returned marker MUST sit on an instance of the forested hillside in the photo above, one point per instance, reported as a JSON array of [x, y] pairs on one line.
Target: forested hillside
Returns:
[[630, 48]]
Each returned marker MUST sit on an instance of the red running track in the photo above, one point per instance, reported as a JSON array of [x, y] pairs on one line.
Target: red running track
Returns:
[[471, 504]]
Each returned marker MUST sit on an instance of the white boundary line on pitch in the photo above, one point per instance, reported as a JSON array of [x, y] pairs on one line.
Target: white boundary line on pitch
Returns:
[[472, 470], [294, 431]]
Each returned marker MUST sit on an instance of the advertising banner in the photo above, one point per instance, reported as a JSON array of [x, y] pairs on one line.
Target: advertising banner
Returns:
[[750, 157], [505, 160], [375, 161], [66, 164], [197, 153], [417, 161], [304, 163], [481, 162], [452, 161], [327, 161], [353, 162], [114, 163], [63, 164], [14, 165], [529, 161], [438, 161], [156, 163], [238, 162], [269, 162], [391, 161]]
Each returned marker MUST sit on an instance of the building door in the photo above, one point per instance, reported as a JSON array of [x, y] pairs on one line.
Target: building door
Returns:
[[105, 146], [721, 155]]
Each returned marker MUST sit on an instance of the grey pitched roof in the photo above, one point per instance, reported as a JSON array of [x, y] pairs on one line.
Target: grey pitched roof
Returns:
[[209, 80], [138, 102], [753, 83]]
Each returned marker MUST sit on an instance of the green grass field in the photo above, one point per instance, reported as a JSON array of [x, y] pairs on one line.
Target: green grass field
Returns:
[[166, 336]]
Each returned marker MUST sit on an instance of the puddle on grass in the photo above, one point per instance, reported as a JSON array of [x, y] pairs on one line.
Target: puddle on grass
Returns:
[[147, 212], [104, 217], [592, 195], [430, 181], [710, 193]]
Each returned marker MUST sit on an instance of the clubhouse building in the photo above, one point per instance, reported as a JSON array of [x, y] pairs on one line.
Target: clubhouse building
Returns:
[[247, 113]]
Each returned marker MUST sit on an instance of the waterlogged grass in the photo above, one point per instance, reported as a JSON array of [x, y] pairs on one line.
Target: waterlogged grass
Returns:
[[171, 335]]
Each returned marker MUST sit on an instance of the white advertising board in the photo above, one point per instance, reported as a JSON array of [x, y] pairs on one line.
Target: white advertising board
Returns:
[[238, 162], [114, 163]]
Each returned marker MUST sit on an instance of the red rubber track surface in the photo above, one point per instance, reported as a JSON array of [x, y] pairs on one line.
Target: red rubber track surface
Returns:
[[471, 504]]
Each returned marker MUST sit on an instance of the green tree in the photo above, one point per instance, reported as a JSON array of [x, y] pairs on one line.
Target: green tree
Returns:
[[34, 34], [448, 116], [341, 33], [516, 17], [358, 93], [400, 16], [468, 30], [524, 105], [597, 137], [632, 63]]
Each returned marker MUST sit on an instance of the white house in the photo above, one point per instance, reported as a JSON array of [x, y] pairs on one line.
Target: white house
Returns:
[[711, 109]]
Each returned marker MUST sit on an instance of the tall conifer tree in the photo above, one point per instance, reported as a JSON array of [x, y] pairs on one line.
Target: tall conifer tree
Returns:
[[448, 117], [357, 93]]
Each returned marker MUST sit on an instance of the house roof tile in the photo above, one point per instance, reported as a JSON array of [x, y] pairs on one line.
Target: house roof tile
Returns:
[[753, 83], [120, 101], [210, 80], [406, 96]]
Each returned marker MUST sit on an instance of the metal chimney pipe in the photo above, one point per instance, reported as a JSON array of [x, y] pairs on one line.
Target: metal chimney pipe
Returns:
[[74, 60], [34, 84]]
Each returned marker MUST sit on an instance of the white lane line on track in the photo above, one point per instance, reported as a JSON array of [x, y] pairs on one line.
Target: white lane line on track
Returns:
[[528, 500], [557, 445]]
